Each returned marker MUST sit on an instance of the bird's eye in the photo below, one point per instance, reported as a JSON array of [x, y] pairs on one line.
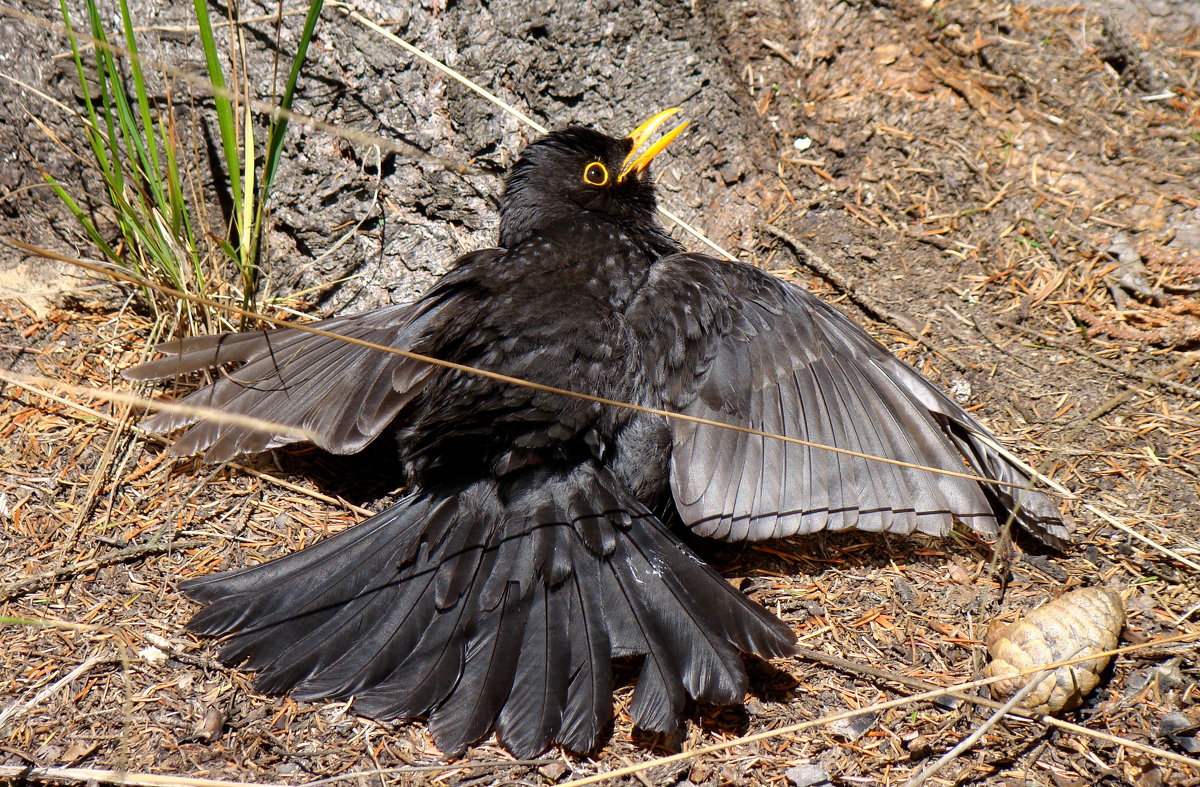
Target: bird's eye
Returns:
[[595, 174]]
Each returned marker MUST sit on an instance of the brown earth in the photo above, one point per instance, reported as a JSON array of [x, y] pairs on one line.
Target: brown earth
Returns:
[[1006, 195]]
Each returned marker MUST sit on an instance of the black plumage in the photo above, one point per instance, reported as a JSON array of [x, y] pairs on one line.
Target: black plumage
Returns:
[[527, 556]]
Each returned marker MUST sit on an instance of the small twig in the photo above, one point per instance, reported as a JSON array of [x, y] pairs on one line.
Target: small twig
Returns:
[[921, 697], [966, 743], [871, 306], [1127, 371], [118, 556], [887, 675], [16, 709], [450, 766], [809, 257], [779, 50]]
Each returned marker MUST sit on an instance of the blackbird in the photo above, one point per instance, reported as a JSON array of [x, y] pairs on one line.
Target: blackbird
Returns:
[[536, 542]]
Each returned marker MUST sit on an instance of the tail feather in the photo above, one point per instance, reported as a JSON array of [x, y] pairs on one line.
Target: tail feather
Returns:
[[658, 697], [588, 705], [490, 662], [306, 598], [481, 609], [533, 713], [357, 647], [710, 666]]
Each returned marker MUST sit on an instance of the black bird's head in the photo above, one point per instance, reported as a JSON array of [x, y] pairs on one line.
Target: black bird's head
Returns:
[[576, 170]]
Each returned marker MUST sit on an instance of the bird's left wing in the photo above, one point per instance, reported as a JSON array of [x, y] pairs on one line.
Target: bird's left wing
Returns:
[[342, 393], [730, 343]]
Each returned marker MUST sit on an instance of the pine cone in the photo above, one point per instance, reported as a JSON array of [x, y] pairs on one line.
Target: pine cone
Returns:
[[1078, 624]]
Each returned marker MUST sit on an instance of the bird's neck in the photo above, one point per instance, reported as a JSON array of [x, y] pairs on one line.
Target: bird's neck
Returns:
[[599, 259], [517, 229]]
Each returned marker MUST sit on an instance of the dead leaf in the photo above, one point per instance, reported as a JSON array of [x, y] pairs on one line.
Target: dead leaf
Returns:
[[77, 751]]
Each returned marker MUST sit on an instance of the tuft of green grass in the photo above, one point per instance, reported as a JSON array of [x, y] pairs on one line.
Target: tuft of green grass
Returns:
[[151, 178]]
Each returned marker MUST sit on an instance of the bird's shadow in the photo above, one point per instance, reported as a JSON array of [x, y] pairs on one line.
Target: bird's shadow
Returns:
[[370, 478]]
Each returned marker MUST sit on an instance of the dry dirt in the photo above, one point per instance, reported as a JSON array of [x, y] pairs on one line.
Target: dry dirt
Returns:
[[1005, 195]]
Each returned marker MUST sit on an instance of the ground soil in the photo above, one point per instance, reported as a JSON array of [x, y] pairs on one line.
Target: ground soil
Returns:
[[1005, 195]]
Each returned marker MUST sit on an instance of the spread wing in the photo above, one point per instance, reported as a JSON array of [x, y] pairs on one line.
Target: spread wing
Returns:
[[342, 393], [736, 345]]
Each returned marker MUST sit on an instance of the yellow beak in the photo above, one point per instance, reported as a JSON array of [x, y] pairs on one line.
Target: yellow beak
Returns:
[[635, 162]]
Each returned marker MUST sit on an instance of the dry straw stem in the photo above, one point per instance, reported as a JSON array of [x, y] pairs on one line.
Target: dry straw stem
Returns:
[[121, 275], [968, 742], [510, 109], [156, 780], [20, 774], [1102, 514], [927, 695], [95, 775], [116, 422], [212, 414], [16, 709]]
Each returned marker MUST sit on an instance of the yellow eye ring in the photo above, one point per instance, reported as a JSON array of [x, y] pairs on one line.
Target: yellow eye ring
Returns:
[[595, 174]]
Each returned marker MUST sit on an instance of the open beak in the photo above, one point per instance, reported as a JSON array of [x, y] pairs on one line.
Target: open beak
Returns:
[[636, 161]]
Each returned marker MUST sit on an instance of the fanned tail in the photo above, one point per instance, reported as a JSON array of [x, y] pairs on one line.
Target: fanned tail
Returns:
[[496, 608]]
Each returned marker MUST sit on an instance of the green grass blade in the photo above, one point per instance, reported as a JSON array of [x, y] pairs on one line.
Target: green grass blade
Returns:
[[279, 123], [95, 139], [148, 146], [88, 227], [225, 115], [104, 68]]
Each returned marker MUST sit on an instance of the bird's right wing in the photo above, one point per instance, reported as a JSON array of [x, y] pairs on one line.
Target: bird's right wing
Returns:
[[344, 394], [733, 344]]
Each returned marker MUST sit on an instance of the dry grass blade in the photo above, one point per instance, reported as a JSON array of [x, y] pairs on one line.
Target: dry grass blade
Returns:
[[17, 708], [207, 413], [111, 421], [127, 277], [881, 706], [99, 776], [1062, 490], [968, 742], [1109, 518], [351, 12]]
